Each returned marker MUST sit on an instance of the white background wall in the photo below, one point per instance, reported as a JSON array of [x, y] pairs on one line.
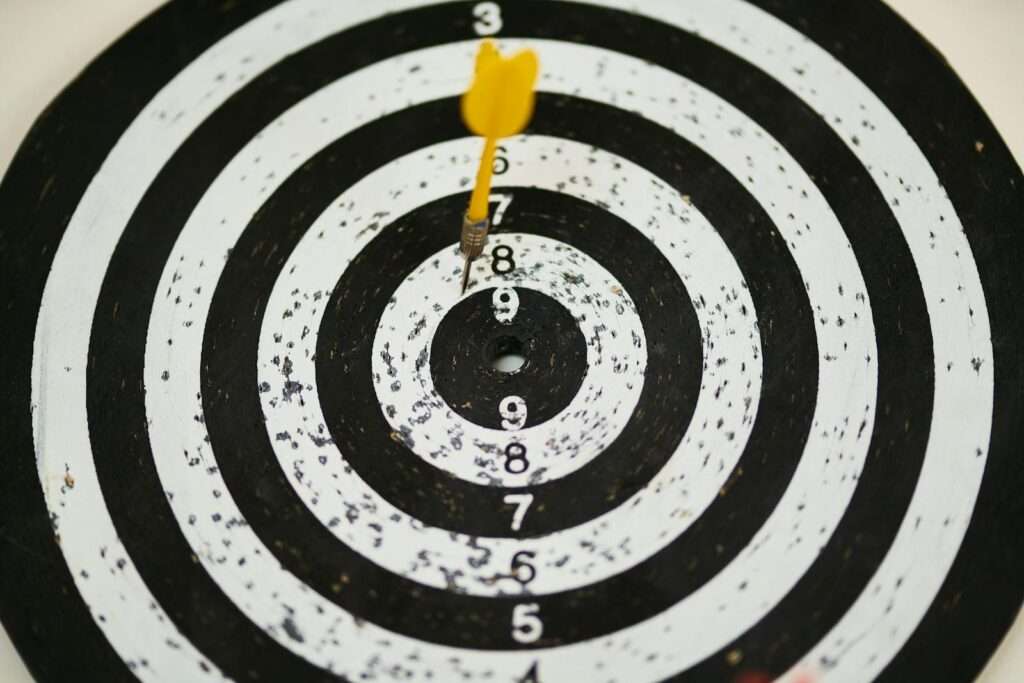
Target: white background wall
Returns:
[[45, 43]]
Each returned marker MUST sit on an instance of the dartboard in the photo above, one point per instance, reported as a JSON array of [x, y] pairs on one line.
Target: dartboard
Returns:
[[732, 394]]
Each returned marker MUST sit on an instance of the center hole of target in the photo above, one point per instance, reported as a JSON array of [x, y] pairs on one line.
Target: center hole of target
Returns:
[[506, 354]]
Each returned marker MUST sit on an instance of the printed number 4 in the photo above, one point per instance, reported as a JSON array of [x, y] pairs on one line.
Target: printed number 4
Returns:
[[488, 18], [531, 676]]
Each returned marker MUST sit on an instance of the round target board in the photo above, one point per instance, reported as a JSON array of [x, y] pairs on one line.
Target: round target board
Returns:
[[733, 393]]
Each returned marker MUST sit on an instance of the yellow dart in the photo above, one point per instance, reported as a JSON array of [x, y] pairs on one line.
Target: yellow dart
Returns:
[[499, 103]]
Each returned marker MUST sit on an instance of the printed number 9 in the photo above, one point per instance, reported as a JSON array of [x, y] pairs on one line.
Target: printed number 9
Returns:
[[513, 413], [488, 18], [505, 302]]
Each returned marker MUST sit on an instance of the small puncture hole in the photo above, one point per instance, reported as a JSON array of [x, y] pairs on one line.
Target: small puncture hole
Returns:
[[506, 354]]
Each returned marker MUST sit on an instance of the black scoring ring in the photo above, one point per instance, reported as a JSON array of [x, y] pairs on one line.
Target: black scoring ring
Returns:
[[356, 421]]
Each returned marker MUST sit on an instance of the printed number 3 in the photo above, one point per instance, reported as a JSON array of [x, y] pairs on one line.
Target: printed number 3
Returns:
[[488, 18]]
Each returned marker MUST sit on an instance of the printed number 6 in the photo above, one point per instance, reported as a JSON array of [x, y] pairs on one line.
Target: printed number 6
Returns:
[[526, 624], [488, 15], [519, 561]]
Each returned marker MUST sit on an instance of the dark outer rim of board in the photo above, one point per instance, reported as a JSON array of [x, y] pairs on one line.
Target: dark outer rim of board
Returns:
[[995, 166]]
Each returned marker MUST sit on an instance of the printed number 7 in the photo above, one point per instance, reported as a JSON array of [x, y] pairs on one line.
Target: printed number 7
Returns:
[[522, 502], [503, 201]]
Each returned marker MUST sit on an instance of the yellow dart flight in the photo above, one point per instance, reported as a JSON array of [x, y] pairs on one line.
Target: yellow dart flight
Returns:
[[499, 103]]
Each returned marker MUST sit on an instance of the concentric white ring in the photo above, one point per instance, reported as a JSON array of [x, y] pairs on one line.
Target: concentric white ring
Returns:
[[949, 479], [433, 430]]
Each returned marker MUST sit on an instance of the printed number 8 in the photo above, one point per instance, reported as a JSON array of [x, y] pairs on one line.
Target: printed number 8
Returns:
[[516, 453], [502, 263]]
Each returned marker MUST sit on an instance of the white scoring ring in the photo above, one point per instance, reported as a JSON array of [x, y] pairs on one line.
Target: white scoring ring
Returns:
[[429, 427], [672, 501], [833, 92]]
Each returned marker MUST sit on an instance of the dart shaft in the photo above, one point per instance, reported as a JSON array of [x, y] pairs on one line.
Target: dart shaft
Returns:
[[478, 203]]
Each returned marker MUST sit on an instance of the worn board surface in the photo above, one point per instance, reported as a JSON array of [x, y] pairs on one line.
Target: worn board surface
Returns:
[[779, 439]]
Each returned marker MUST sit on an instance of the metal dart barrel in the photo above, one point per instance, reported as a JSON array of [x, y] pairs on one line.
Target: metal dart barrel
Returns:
[[474, 236]]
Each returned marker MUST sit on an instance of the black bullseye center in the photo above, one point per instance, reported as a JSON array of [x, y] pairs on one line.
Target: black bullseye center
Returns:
[[476, 360]]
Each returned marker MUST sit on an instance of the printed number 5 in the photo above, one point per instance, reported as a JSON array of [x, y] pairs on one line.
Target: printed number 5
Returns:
[[526, 624], [488, 15]]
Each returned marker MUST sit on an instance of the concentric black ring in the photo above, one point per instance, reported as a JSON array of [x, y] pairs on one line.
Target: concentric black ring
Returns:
[[356, 420]]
